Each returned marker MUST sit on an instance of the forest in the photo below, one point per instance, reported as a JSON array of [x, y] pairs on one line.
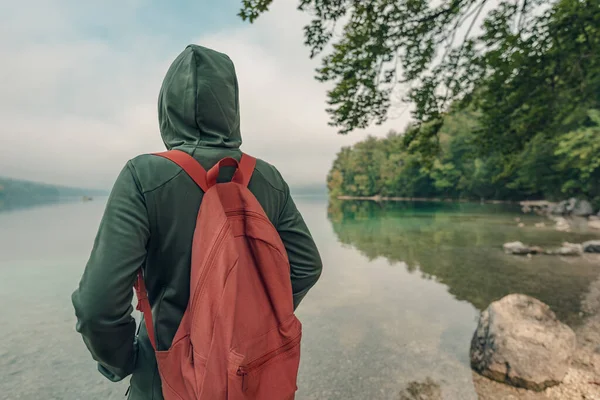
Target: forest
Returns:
[[551, 165]]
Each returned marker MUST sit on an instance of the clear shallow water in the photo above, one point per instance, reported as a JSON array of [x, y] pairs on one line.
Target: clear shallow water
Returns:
[[396, 306]]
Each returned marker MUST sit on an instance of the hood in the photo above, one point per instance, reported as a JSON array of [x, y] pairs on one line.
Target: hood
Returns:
[[198, 102]]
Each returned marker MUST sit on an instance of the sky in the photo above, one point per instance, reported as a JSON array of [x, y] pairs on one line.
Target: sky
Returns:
[[80, 84]]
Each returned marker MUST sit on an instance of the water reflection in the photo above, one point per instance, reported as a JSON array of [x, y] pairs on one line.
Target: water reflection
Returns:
[[460, 245]]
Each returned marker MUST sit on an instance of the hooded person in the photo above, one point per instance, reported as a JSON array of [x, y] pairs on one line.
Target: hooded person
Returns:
[[149, 223]]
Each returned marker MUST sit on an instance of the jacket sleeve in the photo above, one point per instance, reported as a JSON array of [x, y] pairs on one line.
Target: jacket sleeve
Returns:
[[103, 299], [303, 255]]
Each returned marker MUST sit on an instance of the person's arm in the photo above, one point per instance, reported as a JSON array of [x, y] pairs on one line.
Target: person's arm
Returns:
[[103, 300], [305, 261]]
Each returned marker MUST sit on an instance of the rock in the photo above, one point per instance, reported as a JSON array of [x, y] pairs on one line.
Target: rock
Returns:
[[519, 341], [427, 390], [520, 249], [570, 205], [540, 225], [582, 208], [515, 248], [593, 246], [594, 217], [536, 250], [567, 249], [521, 225], [562, 224], [559, 208], [573, 206], [594, 224]]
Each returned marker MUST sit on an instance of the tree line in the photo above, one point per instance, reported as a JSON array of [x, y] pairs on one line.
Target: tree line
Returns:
[[549, 167]]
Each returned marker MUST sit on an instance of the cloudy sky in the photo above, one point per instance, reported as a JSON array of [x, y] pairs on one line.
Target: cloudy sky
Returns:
[[80, 83]]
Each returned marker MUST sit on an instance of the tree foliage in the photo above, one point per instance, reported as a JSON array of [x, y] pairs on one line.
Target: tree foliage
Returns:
[[527, 65], [506, 111]]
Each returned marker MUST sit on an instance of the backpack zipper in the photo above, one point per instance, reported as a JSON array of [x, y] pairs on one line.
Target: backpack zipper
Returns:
[[243, 373], [243, 370]]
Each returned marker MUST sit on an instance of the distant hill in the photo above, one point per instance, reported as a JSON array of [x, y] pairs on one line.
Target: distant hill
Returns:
[[15, 193]]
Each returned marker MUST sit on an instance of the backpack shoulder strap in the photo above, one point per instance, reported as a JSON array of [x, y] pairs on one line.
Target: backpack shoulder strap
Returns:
[[189, 165], [198, 175], [242, 175], [246, 168]]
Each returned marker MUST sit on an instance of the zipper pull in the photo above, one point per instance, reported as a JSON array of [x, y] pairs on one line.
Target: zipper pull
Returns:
[[244, 374]]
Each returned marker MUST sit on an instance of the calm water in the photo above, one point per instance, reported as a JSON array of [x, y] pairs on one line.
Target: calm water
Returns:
[[394, 312]]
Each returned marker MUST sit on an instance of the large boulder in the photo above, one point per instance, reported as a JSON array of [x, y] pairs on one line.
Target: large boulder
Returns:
[[593, 246], [519, 341]]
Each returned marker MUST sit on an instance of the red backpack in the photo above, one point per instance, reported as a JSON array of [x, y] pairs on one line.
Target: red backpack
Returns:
[[239, 337]]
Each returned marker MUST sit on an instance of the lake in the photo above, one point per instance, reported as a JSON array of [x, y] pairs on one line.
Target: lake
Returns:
[[393, 313]]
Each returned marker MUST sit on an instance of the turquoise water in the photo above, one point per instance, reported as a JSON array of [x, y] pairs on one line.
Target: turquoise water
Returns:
[[396, 306]]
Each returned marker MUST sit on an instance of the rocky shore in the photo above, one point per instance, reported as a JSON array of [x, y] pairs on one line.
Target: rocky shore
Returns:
[[520, 350], [582, 377]]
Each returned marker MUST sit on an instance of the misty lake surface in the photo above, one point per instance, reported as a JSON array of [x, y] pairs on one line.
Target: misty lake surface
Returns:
[[394, 311]]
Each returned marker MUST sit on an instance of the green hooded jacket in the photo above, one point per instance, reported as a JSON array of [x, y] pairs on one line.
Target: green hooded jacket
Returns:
[[150, 218]]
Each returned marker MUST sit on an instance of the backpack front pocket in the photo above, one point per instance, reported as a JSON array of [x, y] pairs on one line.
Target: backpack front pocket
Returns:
[[272, 376]]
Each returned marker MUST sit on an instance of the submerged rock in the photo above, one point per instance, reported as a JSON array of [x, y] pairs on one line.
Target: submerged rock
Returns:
[[594, 224], [562, 224], [593, 246], [427, 390], [519, 341], [520, 249]]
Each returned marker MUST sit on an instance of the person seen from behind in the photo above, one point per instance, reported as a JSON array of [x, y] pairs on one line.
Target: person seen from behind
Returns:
[[219, 255]]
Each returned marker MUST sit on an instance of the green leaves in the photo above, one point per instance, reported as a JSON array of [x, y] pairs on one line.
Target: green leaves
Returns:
[[251, 9], [383, 43], [580, 151]]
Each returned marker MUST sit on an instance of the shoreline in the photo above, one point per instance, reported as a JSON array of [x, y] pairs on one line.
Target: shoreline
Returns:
[[424, 199]]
